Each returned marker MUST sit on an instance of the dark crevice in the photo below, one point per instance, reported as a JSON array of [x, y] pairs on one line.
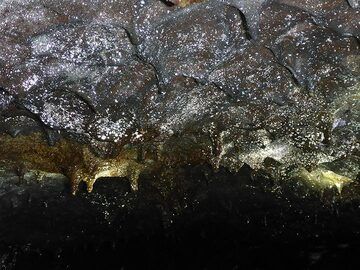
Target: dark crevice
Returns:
[[86, 100], [246, 25], [168, 3], [53, 10], [47, 131], [231, 97], [278, 61], [134, 39]]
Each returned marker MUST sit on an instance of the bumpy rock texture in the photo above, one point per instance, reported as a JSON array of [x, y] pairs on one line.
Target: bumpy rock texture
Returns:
[[221, 109], [217, 82]]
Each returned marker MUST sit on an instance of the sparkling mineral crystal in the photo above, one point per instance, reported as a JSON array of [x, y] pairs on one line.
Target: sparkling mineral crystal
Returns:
[[101, 88]]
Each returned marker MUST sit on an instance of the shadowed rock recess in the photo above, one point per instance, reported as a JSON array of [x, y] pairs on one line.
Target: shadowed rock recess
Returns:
[[173, 120]]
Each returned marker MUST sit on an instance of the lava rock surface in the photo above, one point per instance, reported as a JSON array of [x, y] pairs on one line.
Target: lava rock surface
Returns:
[[232, 124], [79, 69]]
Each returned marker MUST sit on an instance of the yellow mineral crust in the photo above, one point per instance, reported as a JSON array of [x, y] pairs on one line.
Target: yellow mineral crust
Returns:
[[74, 160], [184, 3], [79, 164], [124, 165], [321, 179]]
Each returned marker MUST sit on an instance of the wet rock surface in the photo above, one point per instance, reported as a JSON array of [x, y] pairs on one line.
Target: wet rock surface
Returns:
[[239, 114], [144, 77]]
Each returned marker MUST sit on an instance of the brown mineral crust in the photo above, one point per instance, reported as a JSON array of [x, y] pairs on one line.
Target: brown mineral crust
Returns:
[[77, 162], [33, 151], [66, 157]]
